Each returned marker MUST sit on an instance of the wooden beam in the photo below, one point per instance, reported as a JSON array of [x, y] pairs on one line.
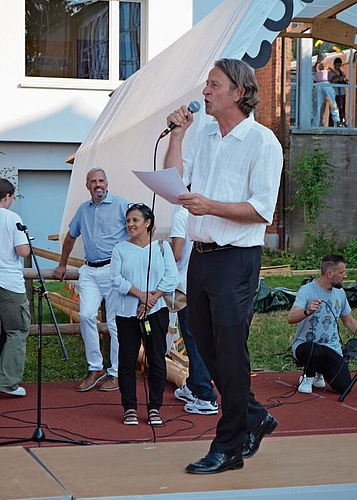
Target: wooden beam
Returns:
[[300, 28], [32, 274], [181, 358], [328, 13], [288, 34], [283, 270], [303, 20], [333, 31], [47, 254], [337, 8], [70, 159], [68, 311], [63, 301], [306, 272], [65, 329]]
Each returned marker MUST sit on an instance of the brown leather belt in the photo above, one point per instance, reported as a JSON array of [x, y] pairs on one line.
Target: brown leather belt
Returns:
[[98, 264], [210, 247]]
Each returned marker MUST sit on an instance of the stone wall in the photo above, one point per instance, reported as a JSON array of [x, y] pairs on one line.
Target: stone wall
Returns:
[[340, 219]]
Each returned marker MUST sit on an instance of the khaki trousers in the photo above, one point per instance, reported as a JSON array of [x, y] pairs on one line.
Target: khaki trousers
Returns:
[[14, 328]]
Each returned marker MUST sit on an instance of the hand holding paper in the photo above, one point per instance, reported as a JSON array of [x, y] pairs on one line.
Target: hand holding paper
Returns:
[[166, 183]]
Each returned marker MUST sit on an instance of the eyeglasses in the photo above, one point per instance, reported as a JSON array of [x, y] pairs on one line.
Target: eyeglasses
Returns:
[[136, 205]]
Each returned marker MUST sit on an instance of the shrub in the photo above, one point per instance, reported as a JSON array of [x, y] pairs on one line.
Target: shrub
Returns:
[[350, 253]]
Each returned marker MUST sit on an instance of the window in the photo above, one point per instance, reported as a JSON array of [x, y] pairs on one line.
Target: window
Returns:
[[83, 39]]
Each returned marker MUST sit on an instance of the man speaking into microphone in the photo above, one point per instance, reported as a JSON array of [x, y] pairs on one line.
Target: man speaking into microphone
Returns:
[[234, 166], [193, 107]]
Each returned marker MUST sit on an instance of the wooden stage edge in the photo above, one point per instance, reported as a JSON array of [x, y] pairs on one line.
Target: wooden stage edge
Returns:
[[308, 467]]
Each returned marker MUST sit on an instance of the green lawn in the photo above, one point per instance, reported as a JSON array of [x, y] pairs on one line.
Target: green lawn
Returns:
[[269, 342]]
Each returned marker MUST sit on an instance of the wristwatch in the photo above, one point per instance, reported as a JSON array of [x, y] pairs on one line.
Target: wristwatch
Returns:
[[305, 312]]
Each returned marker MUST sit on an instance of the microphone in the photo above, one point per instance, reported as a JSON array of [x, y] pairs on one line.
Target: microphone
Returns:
[[20, 227], [193, 107]]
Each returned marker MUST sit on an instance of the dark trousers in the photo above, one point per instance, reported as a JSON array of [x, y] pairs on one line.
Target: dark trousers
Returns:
[[220, 292], [341, 104], [130, 335], [322, 359], [199, 379]]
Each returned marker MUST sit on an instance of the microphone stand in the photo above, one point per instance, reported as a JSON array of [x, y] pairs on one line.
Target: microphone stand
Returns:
[[39, 435], [344, 394]]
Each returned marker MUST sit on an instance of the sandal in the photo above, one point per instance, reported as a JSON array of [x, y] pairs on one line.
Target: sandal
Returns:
[[155, 417], [130, 417]]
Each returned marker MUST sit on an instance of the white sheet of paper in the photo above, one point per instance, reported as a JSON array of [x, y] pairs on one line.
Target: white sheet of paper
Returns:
[[166, 183]]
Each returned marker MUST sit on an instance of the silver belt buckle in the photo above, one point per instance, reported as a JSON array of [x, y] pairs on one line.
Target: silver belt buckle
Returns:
[[199, 247]]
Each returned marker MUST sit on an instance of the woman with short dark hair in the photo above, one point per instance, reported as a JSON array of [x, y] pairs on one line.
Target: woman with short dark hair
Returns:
[[142, 272]]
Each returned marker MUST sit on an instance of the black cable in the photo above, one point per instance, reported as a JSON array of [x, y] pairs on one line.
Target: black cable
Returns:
[[312, 342], [57, 431], [145, 324], [142, 324]]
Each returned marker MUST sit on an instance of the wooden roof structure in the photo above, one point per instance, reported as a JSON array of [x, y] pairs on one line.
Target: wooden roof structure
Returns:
[[329, 20]]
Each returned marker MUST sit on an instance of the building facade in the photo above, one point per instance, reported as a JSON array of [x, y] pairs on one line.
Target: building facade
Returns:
[[60, 60]]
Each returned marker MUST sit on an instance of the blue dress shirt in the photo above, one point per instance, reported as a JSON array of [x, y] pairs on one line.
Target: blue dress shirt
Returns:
[[101, 226]]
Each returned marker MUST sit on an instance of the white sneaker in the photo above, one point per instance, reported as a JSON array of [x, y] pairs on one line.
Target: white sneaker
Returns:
[[20, 391], [202, 407], [184, 394], [305, 384], [319, 381]]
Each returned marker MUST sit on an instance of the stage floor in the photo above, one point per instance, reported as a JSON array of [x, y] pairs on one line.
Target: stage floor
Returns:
[[316, 467], [96, 416], [312, 455]]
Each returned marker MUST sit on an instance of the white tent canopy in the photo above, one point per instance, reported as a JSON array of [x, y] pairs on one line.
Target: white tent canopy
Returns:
[[124, 137]]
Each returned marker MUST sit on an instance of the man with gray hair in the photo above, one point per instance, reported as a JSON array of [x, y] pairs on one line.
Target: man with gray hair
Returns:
[[101, 223], [233, 165]]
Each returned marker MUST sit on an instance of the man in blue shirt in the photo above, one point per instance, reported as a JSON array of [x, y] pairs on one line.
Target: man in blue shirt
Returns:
[[101, 223]]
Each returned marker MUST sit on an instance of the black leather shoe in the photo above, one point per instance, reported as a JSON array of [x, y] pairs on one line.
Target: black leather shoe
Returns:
[[254, 438], [215, 462]]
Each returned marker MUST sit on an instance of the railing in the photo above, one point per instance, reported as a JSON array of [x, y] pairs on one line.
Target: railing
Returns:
[[176, 363], [63, 304]]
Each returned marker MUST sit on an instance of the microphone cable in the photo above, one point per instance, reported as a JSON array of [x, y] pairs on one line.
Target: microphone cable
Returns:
[[145, 323], [193, 107], [292, 392], [312, 346]]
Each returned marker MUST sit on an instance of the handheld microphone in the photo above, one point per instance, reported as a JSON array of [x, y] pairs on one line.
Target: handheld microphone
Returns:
[[20, 227], [193, 107]]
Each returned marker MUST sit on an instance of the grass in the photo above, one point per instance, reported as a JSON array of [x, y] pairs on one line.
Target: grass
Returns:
[[54, 365], [269, 342], [271, 338]]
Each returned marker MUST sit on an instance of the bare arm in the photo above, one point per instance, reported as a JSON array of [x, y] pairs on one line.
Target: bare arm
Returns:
[[173, 157], [349, 322], [23, 250], [146, 300], [143, 296], [177, 245], [60, 271], [332, 68], [183, 119], [240, 212], [296, 314]]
